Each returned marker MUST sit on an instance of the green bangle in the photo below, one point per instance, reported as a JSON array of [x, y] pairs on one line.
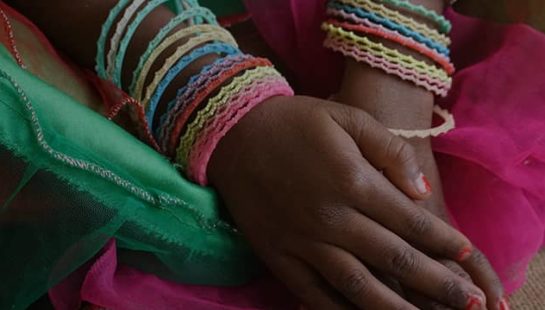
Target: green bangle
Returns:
[[118, 63], [444, 25], [101, 43], [205, 13]]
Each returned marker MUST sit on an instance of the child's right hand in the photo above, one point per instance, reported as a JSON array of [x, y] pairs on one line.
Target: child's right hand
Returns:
[[302, 179]]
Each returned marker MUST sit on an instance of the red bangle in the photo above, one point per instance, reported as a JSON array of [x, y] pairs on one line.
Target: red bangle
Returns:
[[447, 66], [180, 121]]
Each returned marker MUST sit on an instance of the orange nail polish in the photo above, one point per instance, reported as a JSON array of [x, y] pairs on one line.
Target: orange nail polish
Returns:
[[422, 184], [464, 254], [504, 305], [474, 303]]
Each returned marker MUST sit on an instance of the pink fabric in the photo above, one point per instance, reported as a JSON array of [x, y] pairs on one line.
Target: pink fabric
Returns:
[[492, 165], [110, 285]]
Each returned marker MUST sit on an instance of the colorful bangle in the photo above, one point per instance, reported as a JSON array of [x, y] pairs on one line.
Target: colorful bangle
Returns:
[[118, 63], [118, 33], [215, 103], [185, 108], [200, 156], [101, 43], [439, 88], [399, 19], [180, 51], [444, 25], [391, 25], [215, 48], [175, 37], [378, 49], [448, 125], [205, 13], [196, 82], [404, 41]]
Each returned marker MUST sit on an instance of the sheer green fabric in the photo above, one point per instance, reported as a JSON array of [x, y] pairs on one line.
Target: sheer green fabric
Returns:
[[71, 180]]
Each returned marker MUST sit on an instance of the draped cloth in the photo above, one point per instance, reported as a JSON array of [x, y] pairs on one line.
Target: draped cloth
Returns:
[[134, 234]]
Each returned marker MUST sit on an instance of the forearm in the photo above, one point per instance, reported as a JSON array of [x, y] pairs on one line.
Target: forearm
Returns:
[[394, 102]]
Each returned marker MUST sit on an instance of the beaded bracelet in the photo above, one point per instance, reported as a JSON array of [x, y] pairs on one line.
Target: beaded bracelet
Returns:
[[391, 25], [433, 55], [444, 25], [118, 33], [131, 29], [187, 106], [168, 42], [201, 154], [196, 83], [437, 87], [378, 49], [206, 14], [215, 103], [180, 51], [174, 71], [448, 125], [101, 43], [399, 18]]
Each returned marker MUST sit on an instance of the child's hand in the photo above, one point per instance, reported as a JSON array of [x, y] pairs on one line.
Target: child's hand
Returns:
[[398, 104], [301, 178]]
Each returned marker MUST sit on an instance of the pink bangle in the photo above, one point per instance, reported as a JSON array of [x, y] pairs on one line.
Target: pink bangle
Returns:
[[206, 143], [435, 86], [437, 57], [433, 55]]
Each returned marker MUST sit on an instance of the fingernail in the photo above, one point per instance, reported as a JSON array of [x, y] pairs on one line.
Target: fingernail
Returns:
[[474, 303], [504, 305], [422, 184], [464, 254]]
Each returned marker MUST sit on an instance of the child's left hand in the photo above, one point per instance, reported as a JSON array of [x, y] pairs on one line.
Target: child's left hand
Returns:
[[398, 104]]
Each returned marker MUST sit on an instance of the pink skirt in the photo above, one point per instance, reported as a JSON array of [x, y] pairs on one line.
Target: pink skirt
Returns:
[[492, 165]]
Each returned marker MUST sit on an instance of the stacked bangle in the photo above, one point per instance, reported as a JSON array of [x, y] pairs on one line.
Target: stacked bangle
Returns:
[[354, 25], [212, 101]]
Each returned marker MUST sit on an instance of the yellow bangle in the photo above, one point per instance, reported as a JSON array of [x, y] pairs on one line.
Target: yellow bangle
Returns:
[[216, 103], [447, 126], [169, 41], [392, 55], [400, 19]]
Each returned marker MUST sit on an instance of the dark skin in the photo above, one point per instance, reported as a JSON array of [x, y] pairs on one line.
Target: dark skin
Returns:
[[338, 218]]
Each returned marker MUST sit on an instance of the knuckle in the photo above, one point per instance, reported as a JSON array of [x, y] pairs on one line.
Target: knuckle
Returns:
[[355, 283], [404, 262], [452, 291], [400, 151], [419, 224], [330, 215], [354, 182]]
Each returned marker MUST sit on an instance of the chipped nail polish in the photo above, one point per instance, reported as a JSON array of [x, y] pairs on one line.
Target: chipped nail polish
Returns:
[[474, 303], [464, 254], [423, 185]]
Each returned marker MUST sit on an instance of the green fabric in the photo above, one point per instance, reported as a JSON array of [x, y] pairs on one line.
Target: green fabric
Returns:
[[224, 7], [55, 214]]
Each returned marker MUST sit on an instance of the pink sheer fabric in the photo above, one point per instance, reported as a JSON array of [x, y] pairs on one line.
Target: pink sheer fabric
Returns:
[[493, 164]]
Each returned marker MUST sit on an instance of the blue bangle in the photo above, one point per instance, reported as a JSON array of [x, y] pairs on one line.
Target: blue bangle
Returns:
[[212, 70], [392, 25], [118, 63], [100, 63], [214, 48], [205, 13]]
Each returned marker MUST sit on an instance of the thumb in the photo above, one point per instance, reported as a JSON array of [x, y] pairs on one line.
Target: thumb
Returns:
[[386, 152]]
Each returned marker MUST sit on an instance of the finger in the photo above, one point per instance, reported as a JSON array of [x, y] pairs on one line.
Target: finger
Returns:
[[385, 151], [484, 276], [423, 302], [377, 199], [382, 249], [352, 279], [306, 284]]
